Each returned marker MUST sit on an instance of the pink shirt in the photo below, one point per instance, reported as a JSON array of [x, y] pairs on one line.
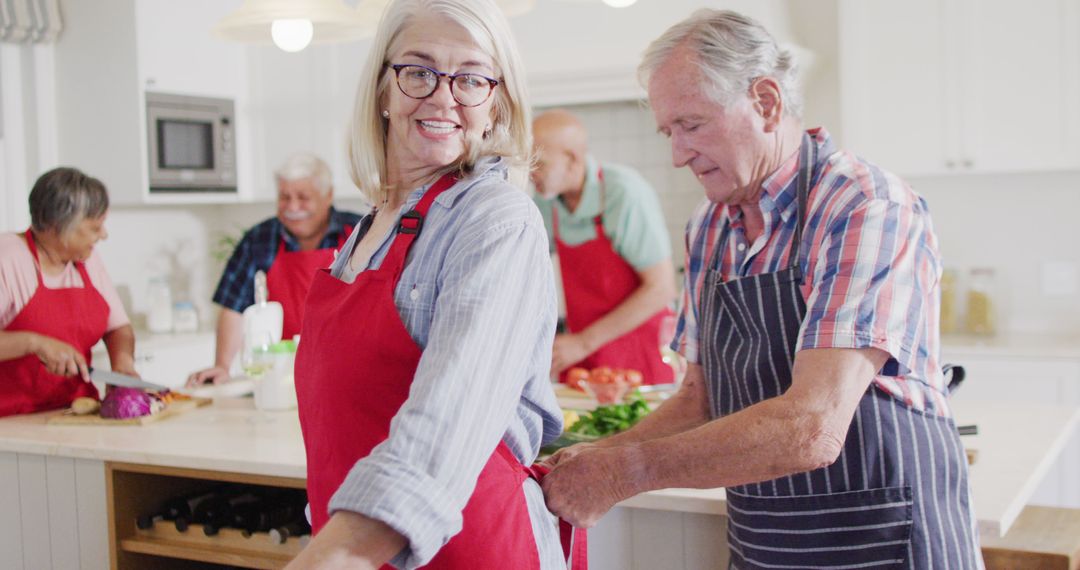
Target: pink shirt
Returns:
[[18, 281]]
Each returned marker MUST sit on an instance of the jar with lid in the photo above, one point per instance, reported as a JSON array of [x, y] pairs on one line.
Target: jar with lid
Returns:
[[981, 305], [948, 301]]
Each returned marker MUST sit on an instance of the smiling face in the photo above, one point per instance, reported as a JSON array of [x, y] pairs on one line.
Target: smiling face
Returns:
[[426, 135], [727, 147], [302, 208]]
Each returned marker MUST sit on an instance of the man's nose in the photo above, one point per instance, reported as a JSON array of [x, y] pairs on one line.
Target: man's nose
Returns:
[[681, 155]]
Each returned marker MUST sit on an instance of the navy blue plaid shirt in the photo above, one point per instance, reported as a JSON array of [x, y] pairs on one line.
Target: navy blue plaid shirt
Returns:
[[257, 250]]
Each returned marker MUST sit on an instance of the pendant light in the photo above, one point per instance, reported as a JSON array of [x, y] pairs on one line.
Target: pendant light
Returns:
[[293, 24]]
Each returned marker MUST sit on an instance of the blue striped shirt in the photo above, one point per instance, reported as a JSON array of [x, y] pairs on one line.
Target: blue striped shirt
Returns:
[[257, 250], [478, 296]]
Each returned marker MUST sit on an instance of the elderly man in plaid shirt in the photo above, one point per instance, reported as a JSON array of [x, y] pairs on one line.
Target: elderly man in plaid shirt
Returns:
[[810, 319]]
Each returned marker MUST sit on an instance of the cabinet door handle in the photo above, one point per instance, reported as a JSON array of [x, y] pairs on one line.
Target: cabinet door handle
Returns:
[[968, 163], [950, 164]]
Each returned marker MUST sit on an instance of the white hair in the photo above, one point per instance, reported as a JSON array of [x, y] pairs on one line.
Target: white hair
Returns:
[[305, 166], [732, 51], [511, 131]]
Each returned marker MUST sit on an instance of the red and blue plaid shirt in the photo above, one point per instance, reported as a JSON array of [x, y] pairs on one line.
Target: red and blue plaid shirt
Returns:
[[869, 255]]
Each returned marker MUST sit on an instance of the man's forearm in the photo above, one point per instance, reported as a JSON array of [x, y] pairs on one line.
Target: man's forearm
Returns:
[[686, 410]]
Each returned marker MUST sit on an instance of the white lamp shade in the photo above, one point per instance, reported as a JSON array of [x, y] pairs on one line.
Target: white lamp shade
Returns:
[[331, 20]]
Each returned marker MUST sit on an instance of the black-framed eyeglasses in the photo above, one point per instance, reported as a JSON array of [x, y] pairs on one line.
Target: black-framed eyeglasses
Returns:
[[420, 82]]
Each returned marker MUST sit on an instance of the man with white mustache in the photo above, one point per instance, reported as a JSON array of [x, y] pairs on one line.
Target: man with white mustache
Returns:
[[290, 247]]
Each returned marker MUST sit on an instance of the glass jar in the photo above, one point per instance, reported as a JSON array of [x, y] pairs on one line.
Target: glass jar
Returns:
[[981, 305], [159, 317], [948, 301]]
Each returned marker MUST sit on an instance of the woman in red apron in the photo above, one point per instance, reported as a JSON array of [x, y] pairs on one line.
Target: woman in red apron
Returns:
[[51, 310], [422, 369]]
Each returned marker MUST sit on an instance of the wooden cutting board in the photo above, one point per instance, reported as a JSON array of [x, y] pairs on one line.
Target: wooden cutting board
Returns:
[[67, 417]]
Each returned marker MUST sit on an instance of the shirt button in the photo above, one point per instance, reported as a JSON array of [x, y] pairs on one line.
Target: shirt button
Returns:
[[741, 247], [414, 294]]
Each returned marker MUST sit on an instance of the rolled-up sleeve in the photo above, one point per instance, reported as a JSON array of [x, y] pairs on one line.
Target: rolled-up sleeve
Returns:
[[494, 284]]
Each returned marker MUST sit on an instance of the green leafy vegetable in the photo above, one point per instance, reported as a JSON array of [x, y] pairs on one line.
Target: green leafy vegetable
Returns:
[[611, 419]]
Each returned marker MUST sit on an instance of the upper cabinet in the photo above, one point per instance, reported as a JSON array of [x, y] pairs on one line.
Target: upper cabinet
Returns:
[[958, 86], [110, 54], [583, 51]]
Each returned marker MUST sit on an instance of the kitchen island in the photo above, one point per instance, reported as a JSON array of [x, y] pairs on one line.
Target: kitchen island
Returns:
[[61, 485]]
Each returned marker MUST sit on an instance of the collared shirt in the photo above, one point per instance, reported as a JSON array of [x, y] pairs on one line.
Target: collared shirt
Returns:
[[870, 260], [257, 250], [632, 217], [478, 297]]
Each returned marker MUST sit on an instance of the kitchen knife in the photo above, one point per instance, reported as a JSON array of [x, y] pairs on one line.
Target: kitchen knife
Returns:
[[124, 380]]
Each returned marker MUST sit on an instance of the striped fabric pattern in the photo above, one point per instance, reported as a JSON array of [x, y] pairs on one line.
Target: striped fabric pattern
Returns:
[[478, 296], [869, 255]]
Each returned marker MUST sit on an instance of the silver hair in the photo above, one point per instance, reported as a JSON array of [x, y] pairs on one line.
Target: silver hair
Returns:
[[303, 166], [63, 197], [732, 51]]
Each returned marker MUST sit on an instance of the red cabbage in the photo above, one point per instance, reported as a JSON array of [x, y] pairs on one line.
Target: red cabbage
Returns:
[[122, 403]]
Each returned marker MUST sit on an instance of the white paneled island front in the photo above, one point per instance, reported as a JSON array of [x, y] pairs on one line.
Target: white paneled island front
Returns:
[[57, 500]]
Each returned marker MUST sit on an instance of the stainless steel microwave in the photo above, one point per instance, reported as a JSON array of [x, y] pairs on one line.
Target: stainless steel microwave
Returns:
[[191, 143]]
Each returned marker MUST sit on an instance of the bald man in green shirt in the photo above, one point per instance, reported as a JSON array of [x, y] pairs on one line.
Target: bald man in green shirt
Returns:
[[606, 225]]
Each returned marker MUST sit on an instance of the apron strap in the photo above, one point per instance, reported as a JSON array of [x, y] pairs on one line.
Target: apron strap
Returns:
[[807, 163], [574, 540], [410, 224]]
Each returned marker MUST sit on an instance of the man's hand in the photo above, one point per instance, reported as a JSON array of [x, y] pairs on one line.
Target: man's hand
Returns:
[[569, 349], [215, 375], [584, 486], [565, 454], [349, 541], [60, 357]]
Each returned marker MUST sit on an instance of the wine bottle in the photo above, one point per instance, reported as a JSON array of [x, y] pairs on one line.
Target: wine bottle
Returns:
[[298, 527], [172, 509], [219, 513]]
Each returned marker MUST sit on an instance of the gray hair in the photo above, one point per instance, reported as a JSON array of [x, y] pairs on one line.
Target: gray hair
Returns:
[[63, 197], [733, 50], [303, 166], [511, 132]]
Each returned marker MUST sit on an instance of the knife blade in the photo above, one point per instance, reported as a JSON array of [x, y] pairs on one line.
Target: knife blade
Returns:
[[117, 379]]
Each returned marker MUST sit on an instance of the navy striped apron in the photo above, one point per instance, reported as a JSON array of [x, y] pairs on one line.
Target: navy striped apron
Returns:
[[897, 497]]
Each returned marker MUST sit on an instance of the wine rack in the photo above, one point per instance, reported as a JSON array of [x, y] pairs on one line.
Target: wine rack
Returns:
[[136, 489]]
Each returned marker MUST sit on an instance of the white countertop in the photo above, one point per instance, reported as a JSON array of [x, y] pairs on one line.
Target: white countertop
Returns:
[[1013, 345], [1016, 446]]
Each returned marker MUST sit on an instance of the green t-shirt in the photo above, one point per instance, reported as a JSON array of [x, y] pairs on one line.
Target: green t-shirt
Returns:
[[633, 220]]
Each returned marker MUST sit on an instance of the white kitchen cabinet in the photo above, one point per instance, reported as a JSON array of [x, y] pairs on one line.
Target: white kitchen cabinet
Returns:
[[110, 53], [1039, 380], [167, 359], [955, 86]]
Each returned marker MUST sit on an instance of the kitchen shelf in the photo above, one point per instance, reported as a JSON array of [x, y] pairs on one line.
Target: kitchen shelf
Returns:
[[134, 489], [228, 547]]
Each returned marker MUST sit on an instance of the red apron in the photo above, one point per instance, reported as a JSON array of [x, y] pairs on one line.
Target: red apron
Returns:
[[75, 315], [290, 277], [353, 371], [596, 280]]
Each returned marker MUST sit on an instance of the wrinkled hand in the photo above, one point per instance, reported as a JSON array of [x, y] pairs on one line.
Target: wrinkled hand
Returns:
[[569, 349], [583, 487], [214, 375], [565, 454], [61, 358]]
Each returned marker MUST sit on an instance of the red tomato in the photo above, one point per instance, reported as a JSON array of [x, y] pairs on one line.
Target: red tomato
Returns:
[[602, 375], [577, 377], [633, 377]]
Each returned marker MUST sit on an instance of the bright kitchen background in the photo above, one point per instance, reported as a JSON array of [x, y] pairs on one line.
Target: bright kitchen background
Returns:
[[867, 81], [975, 102]]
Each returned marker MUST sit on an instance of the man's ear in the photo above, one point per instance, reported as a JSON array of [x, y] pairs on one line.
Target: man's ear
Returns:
[[765, 95]]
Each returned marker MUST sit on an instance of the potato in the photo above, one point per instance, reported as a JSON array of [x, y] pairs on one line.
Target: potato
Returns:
[[85, 406]]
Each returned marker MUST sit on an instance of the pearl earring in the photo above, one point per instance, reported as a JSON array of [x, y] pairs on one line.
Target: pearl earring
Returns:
[[385, 114]]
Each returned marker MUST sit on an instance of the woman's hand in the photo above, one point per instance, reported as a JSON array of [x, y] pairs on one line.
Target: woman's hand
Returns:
[[60, 357], [349, 541], [214, 375]]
